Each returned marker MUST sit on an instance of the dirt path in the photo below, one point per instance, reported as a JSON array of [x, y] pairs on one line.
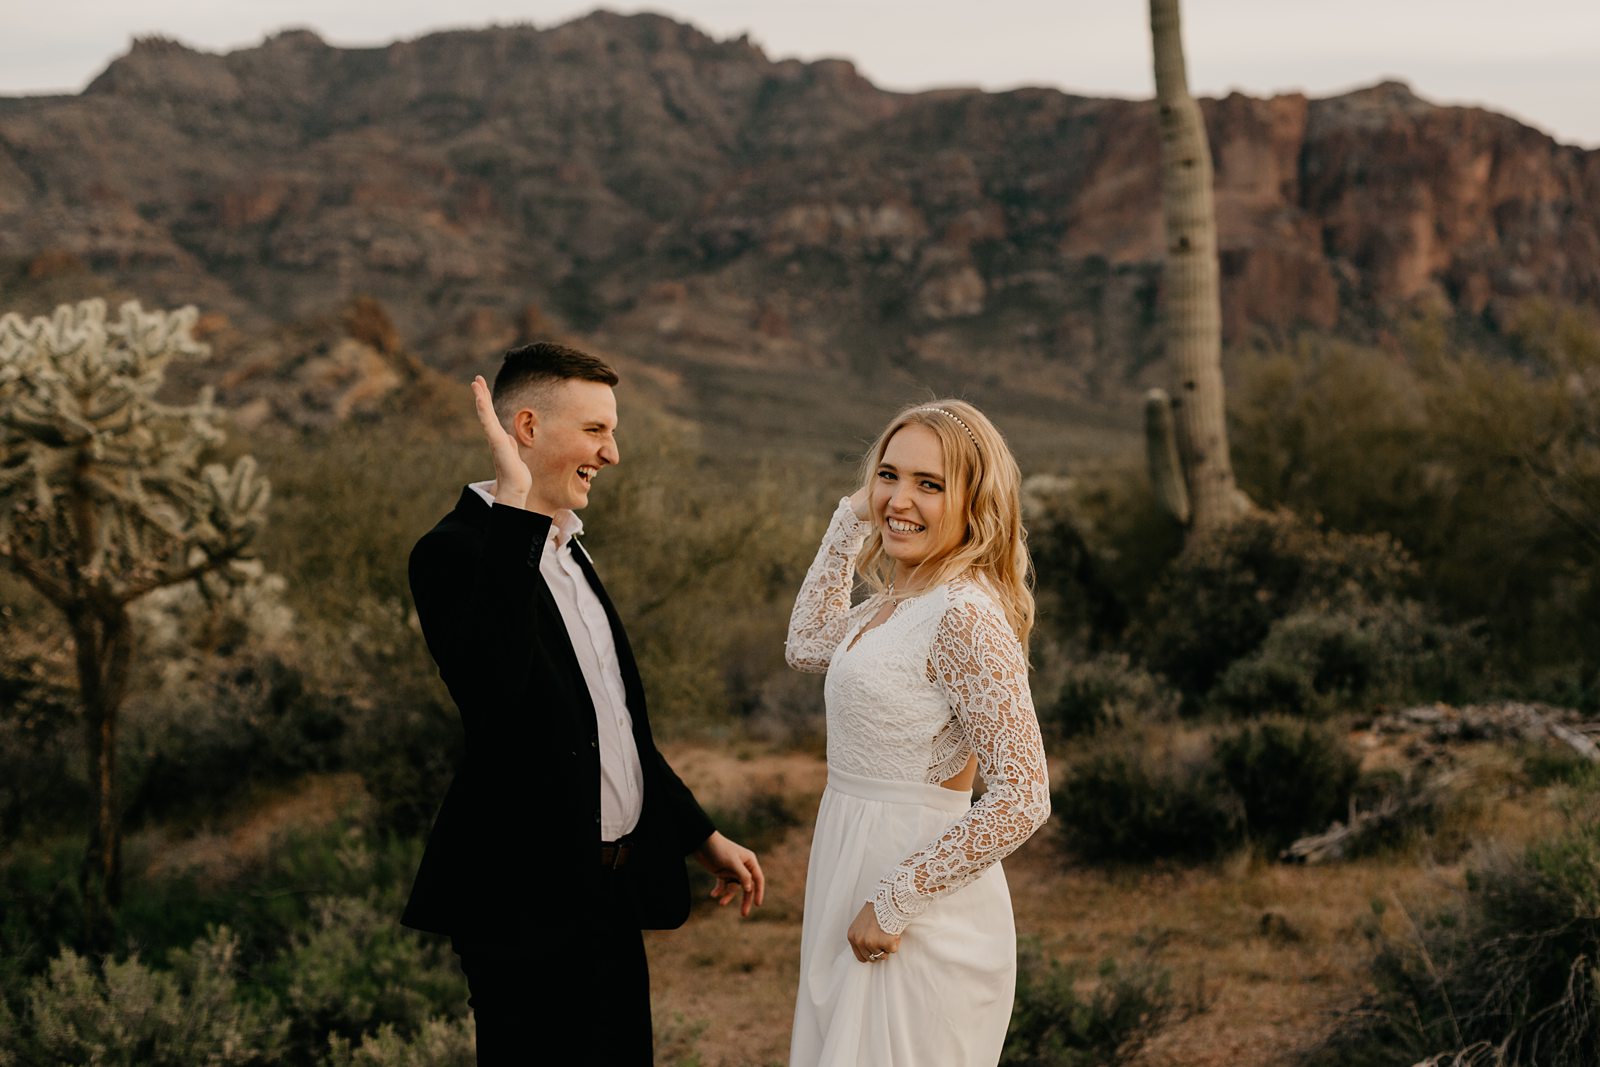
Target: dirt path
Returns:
[[1265, 951]]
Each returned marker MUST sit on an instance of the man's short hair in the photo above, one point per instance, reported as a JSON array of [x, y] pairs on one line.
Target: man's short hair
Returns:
[[528, 373]]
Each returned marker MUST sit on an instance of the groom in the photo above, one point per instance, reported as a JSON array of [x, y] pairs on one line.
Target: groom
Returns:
[[564, 831]]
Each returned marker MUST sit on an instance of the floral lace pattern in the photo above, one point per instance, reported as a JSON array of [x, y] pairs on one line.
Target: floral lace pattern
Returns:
[[942, 679]]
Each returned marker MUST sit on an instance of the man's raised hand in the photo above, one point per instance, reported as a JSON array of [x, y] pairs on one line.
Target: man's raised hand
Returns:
[[512, 480]]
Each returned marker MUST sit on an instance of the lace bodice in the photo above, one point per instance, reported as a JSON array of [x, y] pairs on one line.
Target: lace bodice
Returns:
[[942, 679]]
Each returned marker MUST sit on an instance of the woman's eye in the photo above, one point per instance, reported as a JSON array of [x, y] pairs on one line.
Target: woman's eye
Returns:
[[933, 487], [887, 476]]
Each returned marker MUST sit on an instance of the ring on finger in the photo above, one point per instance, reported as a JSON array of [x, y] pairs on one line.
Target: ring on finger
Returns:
[[878, 955]]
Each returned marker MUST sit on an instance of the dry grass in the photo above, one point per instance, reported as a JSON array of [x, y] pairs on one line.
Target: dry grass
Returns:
[[1269, 951]]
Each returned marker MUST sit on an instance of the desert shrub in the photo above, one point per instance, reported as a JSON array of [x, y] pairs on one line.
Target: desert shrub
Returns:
[[438, 1043], [1484, 467], [1547, 765], [1127, 800], [128, 1013], [1106, 690], [704, 571], [1098, 540], [1291, 777], [401, 730], [238, 721], [760, 821], [1056, 1022], [1319, 661], [1218, 602], [270, 901], [1509, 968], [354, 969], [348, 505], [39, 906]]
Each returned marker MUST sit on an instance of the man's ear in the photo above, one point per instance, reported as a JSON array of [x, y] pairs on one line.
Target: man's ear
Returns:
[[525, 426]]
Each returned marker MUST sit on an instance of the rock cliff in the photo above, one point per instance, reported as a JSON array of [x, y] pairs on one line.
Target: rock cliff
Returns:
[[689, 200]]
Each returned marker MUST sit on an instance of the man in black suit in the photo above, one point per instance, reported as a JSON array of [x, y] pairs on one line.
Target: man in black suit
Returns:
[[564, 831]]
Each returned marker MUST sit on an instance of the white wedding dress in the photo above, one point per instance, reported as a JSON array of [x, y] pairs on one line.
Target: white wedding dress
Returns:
[[908, 702]]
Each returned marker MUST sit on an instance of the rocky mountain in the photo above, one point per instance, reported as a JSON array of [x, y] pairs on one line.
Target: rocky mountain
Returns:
[[690, 203]]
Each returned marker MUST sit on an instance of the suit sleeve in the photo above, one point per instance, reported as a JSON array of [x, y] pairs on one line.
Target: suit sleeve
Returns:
[[476, 603], [690, 825]]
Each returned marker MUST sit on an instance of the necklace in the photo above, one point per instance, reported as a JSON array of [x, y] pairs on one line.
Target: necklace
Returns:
[[895, 598]]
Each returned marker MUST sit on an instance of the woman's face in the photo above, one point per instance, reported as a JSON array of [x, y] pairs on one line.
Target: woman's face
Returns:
[[909, 501]]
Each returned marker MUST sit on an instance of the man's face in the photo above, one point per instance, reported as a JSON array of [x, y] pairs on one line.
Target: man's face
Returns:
[[574, 438]]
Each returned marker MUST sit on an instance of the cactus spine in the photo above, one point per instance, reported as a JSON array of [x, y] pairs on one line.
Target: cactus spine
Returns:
[[104, 497], [1192, 319]]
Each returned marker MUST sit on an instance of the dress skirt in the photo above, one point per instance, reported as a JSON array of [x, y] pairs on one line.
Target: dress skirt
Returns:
[[944, 999]]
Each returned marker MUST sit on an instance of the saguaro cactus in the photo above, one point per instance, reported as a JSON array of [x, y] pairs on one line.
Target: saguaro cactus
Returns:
[[1205, 496], [103, 498]]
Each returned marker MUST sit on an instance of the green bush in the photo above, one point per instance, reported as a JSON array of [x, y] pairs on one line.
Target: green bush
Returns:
[[1056, 1023], [1291, 777], [1546, 765], [1485, 468], [1098, 540], [1124, 800], [356, 969], [1217, 603], [1511, 967], [1320, 661], [125, 1013], [438, 1043], [1106, 690], [239, 721]]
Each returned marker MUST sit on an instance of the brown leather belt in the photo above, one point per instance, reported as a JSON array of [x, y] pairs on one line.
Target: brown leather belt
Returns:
[[615, 854]]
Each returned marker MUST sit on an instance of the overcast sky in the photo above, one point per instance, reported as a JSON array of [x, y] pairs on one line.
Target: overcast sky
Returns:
[[1538, 60]]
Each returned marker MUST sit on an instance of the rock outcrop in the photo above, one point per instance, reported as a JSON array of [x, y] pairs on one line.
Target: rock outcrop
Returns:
[[803, 216]]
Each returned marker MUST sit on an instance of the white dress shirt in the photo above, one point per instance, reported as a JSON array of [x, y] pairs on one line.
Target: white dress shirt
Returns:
[[621, 777]]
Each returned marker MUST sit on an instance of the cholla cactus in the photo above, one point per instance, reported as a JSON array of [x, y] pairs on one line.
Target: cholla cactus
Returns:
[[104, 498]]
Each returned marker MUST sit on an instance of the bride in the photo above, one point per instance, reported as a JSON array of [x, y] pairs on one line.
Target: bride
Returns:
[[908, 950]]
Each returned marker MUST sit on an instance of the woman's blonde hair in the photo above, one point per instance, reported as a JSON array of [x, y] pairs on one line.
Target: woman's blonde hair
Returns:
[[983, 487]]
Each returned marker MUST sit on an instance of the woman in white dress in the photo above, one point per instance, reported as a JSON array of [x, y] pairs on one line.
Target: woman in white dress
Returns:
[[908, 949]]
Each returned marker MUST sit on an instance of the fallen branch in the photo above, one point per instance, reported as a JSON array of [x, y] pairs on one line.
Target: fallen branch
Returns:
[[1338, 840]]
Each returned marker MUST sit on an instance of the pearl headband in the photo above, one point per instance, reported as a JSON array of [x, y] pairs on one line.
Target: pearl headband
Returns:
[[959, 423]]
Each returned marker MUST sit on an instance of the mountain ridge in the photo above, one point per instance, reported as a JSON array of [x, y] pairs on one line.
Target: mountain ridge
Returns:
[[686, 200]]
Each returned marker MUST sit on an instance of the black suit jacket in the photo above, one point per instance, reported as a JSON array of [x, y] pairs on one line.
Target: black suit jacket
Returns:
[[513, 858]]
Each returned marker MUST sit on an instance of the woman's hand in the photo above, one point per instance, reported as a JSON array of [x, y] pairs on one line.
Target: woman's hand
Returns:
[[861, 503], [512, 480], [866, 937]]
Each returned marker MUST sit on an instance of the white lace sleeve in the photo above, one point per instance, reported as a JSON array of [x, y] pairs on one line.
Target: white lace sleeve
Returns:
[[822, 610], [979, 664]]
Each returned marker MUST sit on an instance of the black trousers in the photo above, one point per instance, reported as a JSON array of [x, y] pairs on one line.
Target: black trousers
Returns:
[[592, 982]]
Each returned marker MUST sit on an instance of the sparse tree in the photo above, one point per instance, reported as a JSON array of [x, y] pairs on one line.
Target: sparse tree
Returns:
[[1188, 438], [105, 497]]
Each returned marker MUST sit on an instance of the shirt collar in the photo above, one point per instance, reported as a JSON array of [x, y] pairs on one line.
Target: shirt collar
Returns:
[[564, 524]]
